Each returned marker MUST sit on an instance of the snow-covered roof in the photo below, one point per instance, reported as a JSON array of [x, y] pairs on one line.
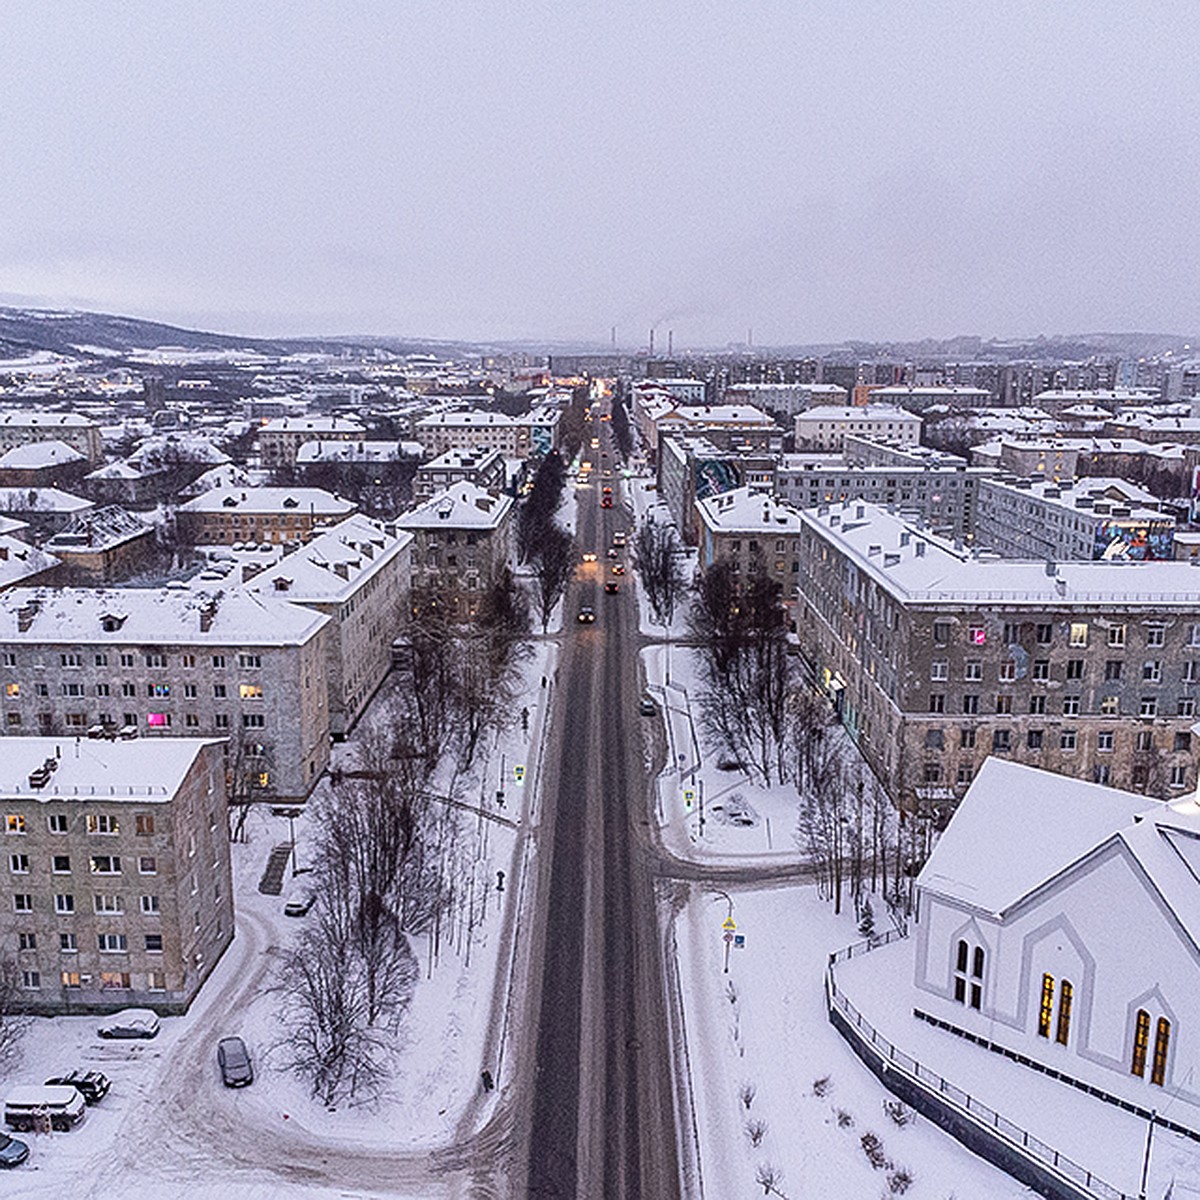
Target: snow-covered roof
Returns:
[[98, 529], [228, 476], [462, 506], [462, 458], [152, 616], [314, 424], [723, 414], [334, 564], [1018, 826], [1096, 396], [745, 510], [269, 500], [19, 560], [850, 412], [46, 499], [138, 771], [1082, 495], [29, 419], [900, 391], [916, 567], [34, 455], [467, 418], [364, 451]]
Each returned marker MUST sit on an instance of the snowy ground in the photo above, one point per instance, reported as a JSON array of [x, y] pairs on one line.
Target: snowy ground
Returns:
[[168, 1127]]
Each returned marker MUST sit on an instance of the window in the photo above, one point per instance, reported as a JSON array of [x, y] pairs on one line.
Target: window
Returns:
[[143, 824], [970, 705], [1162, 1041], [1079, 633], [127, 660], [102, 689], [9, 659], [26, 941], [1046, 1008], [12, 689], [40, 689], [57, 823], [191, 721], [147, 865], [221, 721], [966, 772], [1144, 740], [102, 823], [1116, 635], [1067, 739], [156, 981], [1012, 633], [1002, 740], [1141, 1040], [22, 902], [188, 661], [106, 902], [1193, 635], [31, 980], [68, 943], [968, 985], [973, 669], [937, 704], [1185, 706], [1179, 776], [258, 721], [1152, 671], [253, 691], [1102, 773], [1110, 706], [128, 689], [933, 772], [64, 904], [1155, 635], [106, 864], [1070, 706], [1041, 669], [1042, 634], [941, 632], [189, 691], [1148, 707], [101, 660], [113, 980], [1104, 740], [112, 943], [976, 635], [1033, 739], [13, 718], [937, 670], [14, 823], [18, 864], [1074, 668], [218, 661], [1008, 671], [219, 691], [158, 690], [156, 660], [154, 943], [1004, 703], [70, 979], [149, 905], [1182, 743], [1112, 669], [249, 661], [1037, 705]]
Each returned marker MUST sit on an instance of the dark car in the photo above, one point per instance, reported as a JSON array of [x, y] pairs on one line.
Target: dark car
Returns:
[[587, 615], [647, 707], [12, 1152], [610, 588], [234, 1060], [91, 1085], [606, 502], [299, 908]]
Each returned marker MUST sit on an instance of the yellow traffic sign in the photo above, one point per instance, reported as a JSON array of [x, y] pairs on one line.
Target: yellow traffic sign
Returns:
[[729, 924]]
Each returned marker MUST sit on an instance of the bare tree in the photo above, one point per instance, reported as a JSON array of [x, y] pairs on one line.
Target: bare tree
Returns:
[[13, 1021], [248, 767], [553, 564], [657, 557]]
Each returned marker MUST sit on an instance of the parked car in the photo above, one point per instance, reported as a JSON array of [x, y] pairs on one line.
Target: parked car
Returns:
[[12, 1152], [91, 1085], [130, 1023], [647, 707], [25, 1105], [299, 908], [587, 615], [234, 1060]]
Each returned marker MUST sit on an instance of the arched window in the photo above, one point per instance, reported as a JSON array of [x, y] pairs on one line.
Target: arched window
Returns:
[[1162, 1043], [1141, 1039], [960, 972], [977, 977], [968, 974], [1046, 1009], [1062, 1031]]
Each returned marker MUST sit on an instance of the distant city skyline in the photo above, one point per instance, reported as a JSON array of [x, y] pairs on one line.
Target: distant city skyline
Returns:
[[815, 173]]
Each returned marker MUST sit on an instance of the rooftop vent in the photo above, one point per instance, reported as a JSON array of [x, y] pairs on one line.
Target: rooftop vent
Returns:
[[40, 776], [920, 549]]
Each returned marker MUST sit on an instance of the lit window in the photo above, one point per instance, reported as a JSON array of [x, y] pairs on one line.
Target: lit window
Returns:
[[102, 823], [1141, 1042], [1162, 1041], [144, 824], [253, 691], [14, 823], [12, 689], [158, 720], [1079, 633], [106, 864], [1046, 1008], [976, 635]]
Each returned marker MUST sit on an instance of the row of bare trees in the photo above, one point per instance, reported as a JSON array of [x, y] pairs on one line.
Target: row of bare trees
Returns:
[[541, 541]]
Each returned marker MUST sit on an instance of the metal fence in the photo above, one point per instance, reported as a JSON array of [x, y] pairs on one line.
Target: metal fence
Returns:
[[941, 1092]]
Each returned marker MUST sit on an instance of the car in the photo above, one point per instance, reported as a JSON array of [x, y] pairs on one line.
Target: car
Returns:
[[608, 489], [606, 502], [91, 1085], [589, 556], [12, 1152], [610, 588], [299, 908], [234, 1060], [619, 537], [612, 553], [647, 707], [130, 1023], [587, 615], [618, 568], [584, 479]]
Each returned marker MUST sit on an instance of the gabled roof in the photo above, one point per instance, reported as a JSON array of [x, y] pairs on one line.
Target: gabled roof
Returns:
[[463, 506], [50, 453]]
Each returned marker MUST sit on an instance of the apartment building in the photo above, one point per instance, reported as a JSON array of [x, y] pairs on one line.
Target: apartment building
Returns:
[[478, 465], [279, 440], [935, 659], [172, 662], [116, 871], [462, 540], [1090, 518], [224, 515], [24, 426], [358, 575], [825, 427], [787, 399], [916, 398], [472, 429], [692, 467]]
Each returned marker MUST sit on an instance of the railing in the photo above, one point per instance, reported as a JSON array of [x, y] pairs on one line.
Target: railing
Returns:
[[942, 1092]]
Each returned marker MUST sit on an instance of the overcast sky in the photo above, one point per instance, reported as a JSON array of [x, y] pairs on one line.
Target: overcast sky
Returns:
[[811, 169]]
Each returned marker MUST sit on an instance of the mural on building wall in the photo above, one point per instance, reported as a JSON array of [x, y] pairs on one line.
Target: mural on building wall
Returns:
[[1194, 514], [541, 438], [1134, 540], [714, 476]]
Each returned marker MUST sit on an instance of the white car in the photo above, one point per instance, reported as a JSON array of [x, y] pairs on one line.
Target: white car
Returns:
[[130, 1023]]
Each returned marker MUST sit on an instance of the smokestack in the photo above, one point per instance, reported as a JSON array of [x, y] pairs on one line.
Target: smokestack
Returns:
[[652, 341], [670, 343], [614, 337]]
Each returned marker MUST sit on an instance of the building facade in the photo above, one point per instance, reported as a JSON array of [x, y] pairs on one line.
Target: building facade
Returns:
[[825, 428], [224, 515], [279, 440], [116, 873]]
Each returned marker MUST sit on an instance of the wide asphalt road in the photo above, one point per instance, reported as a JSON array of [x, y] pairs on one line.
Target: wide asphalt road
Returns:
[[601, 1120]]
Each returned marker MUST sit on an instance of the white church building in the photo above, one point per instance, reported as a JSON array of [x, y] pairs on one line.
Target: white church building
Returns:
[[1059, 922]]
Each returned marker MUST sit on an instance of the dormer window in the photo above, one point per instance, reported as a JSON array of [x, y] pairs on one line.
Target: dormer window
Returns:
[[111, 622], [291, 502]]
